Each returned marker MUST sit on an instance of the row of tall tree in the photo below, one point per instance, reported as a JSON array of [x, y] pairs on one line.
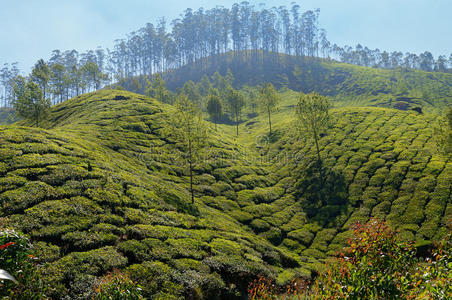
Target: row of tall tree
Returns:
[[65, 75], [245, 30], [364, 56], [197, 34]]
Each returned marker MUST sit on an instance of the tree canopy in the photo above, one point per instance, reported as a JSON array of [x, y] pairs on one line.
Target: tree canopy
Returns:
[[313, 116], [268, 100], [29, 101], [235, 103], [190, 132], [215, 108]]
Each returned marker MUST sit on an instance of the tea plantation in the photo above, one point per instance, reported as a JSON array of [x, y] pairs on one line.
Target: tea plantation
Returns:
[[104, 186]]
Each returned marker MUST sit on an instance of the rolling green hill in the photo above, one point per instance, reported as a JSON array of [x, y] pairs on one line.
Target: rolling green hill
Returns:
[[104, 186], [346, 84]]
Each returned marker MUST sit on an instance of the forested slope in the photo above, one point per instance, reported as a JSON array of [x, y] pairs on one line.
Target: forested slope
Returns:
[[346, 84], [104, 186]]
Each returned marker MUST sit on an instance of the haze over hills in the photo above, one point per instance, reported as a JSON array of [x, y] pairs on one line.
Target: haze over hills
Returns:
[[345, 84]]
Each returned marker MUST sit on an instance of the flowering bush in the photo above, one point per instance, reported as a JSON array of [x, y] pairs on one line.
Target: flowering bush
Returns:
[[433, 279], [264, 288], [375, 265], [17, 261]]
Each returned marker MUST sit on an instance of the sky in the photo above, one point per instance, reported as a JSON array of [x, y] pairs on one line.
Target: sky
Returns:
[[31, 29]]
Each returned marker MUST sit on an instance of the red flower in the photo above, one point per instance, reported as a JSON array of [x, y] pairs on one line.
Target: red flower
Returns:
[[6, 245]]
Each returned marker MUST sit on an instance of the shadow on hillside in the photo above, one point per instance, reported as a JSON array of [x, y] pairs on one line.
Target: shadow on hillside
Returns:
[[323, 193]]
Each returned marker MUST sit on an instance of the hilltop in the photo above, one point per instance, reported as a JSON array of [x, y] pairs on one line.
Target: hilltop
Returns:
[[103, 185]]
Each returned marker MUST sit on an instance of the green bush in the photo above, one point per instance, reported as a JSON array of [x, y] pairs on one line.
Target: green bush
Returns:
[[374, 266], [117, 286]]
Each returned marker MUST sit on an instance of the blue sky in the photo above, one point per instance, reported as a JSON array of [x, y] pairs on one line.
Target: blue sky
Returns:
[[31, 29]]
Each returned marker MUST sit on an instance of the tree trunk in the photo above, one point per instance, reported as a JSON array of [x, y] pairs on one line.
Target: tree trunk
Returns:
[[191, 172], [37, 117], [269, 121], [237, 122], [318, 151], [319, 160]]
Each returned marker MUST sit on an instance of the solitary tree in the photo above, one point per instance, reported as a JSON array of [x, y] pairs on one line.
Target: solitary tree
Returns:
[[268, 100], [214, 108], [236, 104], [189, 131], [312, 114], [29, 101]]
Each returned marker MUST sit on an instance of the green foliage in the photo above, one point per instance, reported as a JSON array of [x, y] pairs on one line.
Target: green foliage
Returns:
[[117, 286], [157, 89], [375, 265], [17, 260], [191, 92], [312, 115], [268, 100], [190, 131], [443, 133], [235, 103], [214, 108], [41, 75], [29, 100]]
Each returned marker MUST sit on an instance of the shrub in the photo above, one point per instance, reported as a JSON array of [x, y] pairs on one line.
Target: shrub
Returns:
[[117, 286], [377, 265], [17, 260]]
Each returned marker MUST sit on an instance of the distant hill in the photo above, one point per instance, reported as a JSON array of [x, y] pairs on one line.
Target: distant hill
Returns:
[[104, 186], [346, 84]]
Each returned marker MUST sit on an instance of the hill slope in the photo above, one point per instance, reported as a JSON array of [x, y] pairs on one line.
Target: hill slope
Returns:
[[104, 186], [346, 84]]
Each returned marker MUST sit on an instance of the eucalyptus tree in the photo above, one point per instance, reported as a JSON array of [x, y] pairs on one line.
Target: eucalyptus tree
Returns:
[[7, 74], [236, 103], [268, 100], [312, 111], [204, 86], [441, 64], [157, 89], [426, 61], [284, 16], [235, 28], [41, 75], [214, 108], [29, 101], [190, 90], [190, 133], [58, 81], [296, 35]]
